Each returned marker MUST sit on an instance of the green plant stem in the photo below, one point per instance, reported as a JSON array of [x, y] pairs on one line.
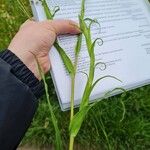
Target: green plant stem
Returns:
[[73, 88], [47, 10], [54, 120], [57, 133], [72, 99], [66, 61], [71, 143], [86, 95], [72, 96]]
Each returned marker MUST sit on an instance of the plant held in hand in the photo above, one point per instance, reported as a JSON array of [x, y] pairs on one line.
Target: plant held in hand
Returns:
[[77, 119]]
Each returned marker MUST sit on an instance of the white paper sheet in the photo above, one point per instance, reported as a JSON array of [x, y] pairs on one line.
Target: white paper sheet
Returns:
[[125, 30]]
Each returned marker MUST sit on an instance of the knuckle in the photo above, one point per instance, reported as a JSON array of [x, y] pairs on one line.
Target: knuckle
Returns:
[[50, 28]]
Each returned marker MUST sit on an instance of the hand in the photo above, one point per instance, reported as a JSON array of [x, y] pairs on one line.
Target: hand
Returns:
[[37, 38]]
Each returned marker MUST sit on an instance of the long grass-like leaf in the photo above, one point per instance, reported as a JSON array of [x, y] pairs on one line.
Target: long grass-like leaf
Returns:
[[98, 123], [124, 111], [109, 93], [58, 143], [78, 45], [54, 120], [66, 60], [83, 26], [89, 89], [104, 77]]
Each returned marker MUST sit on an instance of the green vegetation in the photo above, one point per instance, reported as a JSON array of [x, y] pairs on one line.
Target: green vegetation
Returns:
[[103, 127], [76, 120]]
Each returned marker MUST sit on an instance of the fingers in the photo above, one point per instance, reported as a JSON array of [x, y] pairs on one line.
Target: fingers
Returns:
[[57, 26], [62, 26], [28, 22]]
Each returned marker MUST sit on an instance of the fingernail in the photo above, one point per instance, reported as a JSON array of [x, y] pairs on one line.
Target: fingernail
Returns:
[[75, 25]]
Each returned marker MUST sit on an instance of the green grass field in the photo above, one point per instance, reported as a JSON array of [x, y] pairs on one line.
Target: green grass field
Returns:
[[103, 128]]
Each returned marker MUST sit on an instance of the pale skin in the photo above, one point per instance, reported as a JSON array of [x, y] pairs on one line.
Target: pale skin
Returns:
[[36, 39]]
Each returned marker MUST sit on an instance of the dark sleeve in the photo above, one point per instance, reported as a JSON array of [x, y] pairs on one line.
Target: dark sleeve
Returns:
[[19, 93]]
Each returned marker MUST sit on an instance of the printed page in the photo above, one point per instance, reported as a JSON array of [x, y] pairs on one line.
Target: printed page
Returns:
[[125, 30]]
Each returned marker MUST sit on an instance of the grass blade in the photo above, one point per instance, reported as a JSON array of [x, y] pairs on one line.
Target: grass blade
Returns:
[[104, 77], [78, 45], [66, 60], [23, 8], [58, 143]]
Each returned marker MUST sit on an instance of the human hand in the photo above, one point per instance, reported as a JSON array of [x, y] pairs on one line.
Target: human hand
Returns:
[[35, 39]]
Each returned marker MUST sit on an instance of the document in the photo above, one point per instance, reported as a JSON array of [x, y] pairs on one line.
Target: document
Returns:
[[124, 28]]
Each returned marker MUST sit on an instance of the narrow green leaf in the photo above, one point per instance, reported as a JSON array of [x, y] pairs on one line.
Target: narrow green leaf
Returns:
[[98, 80], [85, 32], [54, 120], [78, 119], [109, 93], [78, 45], [66, 60], [122, 103], [57, 133], [124, 110], [86, 95], [83, 26]]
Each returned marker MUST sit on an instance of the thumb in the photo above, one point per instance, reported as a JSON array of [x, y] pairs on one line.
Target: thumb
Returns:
[[63, 26]]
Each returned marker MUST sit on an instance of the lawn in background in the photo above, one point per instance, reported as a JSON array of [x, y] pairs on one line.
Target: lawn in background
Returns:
[[104, 127]]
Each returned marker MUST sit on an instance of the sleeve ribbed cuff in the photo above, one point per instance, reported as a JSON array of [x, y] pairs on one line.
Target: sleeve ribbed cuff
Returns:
[[20, 70]]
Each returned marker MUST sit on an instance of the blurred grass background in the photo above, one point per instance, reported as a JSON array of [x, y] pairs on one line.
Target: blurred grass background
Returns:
[[103, 128]]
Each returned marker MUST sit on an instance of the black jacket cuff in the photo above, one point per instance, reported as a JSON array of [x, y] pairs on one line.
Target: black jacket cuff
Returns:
[[20, 70]]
